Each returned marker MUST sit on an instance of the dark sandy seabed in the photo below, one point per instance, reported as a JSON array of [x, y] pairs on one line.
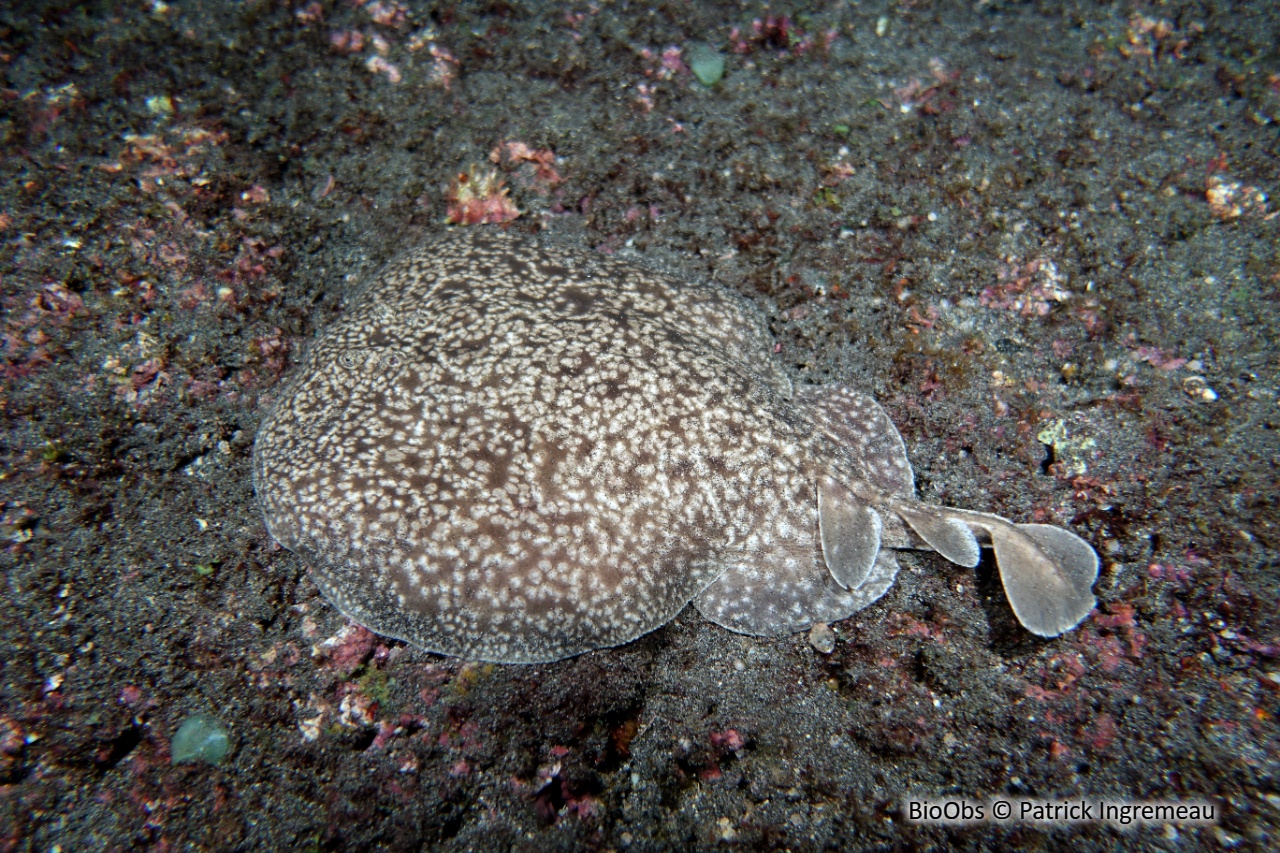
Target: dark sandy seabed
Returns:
[[1032, 231]]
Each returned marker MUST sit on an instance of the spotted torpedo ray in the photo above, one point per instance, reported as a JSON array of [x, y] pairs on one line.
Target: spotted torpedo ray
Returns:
[[512, 451]]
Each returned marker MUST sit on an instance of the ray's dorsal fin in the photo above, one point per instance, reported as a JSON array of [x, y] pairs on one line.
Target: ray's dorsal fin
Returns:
[[944, 533], [1047, 572], [849, 531]]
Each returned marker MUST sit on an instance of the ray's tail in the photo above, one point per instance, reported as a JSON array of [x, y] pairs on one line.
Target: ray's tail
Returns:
[[1047, 572]]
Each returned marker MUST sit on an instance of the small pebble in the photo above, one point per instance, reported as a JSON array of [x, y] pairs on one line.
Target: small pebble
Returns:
[[1195, 387], [200, 738], [706, 63], [822, 638]]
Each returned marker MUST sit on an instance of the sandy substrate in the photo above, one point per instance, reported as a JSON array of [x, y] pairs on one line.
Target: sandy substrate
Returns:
[[1041, 236]]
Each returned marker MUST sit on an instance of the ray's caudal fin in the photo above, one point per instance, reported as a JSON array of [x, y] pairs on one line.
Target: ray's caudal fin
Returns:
[[1047, 572]]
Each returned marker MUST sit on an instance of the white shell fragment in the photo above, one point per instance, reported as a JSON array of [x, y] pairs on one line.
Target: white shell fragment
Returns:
[[822, 638], [507, 450]]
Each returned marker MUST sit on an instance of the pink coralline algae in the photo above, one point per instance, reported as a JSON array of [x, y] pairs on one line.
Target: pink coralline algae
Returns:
[[388, 14], [346, 650], [479, 196], [444, 67], [728, 740], [378, 65], [543, 161], [23, 341], [347, 41], [1029, 289]]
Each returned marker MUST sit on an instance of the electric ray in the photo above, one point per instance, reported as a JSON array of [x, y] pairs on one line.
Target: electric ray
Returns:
[[512, 451]]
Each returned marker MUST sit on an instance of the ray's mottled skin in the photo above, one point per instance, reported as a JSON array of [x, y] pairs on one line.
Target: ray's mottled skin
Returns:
[[512, 451]]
